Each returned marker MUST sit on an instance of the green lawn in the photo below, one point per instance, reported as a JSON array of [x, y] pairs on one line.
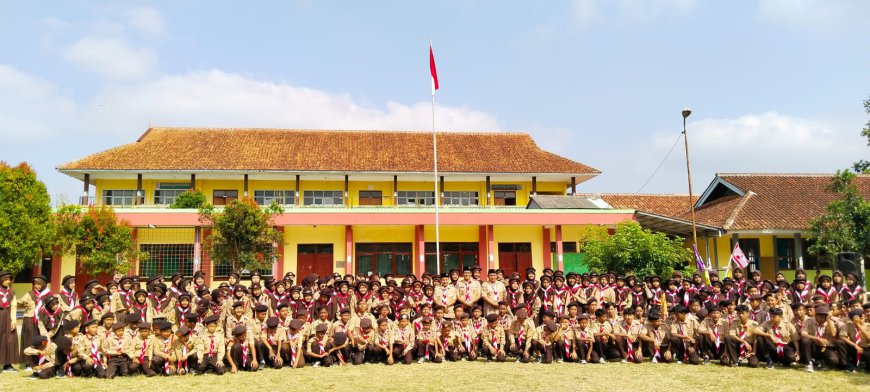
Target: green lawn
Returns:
[[479, 375]]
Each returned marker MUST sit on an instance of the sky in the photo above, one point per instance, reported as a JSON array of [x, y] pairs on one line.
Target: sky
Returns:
[[774, 85]]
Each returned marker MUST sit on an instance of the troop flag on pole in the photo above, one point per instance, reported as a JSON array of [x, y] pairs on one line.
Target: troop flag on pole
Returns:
[[702, 268], [432, 69], [737, 256]]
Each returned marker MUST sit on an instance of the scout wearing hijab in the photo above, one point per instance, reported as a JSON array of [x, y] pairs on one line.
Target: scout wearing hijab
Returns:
[[293, 344], [818, 339], [854, 343], [83, 312], [212, 347], [41, 353], [740, 342], [826, 290], [242, 354], [781, 340], [115, 348], [32, 303], [9, 352]]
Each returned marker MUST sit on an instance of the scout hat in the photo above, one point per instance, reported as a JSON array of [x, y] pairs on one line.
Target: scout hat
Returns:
[[211, 319], [118, 325], [366, 323], [339, 338], [272, 322], [321, 328], [182, 330], [37, 340], [239, 330], [295, 324]]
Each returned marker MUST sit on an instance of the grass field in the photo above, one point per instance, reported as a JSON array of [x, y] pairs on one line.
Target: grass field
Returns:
[[465, 376]]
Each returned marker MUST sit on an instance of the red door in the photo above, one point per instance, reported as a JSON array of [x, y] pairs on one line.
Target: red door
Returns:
[[314, 259], [514, 257], [83, 277]]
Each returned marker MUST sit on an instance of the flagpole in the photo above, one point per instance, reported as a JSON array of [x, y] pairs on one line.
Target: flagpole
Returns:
[[435, 178]]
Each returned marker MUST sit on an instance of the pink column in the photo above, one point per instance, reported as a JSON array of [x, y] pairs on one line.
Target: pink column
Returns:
[[348, 249], [548, 258], [419, 250], [559, 247]]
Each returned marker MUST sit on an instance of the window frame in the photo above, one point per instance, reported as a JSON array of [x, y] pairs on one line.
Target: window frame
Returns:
[[458, 249], [285, 196], [461, 198], [313, 196], [107, 195], [428, 198], [375, 249]]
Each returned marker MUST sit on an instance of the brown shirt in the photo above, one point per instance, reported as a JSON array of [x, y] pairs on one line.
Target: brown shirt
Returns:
[[786, 330], [48, 356]]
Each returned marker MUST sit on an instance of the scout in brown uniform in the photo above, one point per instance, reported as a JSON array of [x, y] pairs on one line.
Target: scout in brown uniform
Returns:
[[530, 301], [185, 351], [212, 347], [445, 295], [565, 347], [403, 339], [818, 340], [293, 344], [161, 360], [9, 352], [468, 337], [544, 341], [683, 342], [269, 344], [712, 334], [142, 350], [425, 340], [606, 344], [90, 351], [521, 334], [115, 347], [317, 349], [32, 303], [83, 312], [631, 329], [381, 347], [657, 338], [492, 340], [492, 292], [584, 340], [43, 352], [362, 335], [448, 345], [740, 342], [238, 317], [854, 345], [242, 355], [68, 298], [781, 340]]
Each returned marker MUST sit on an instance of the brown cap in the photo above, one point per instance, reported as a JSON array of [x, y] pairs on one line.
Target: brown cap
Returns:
[[365, 323], [321, 328], [239, 330]]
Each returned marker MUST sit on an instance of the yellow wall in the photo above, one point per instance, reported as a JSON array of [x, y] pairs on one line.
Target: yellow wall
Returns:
[[386, 188], [530, 234], [452, 233], [295, 235]]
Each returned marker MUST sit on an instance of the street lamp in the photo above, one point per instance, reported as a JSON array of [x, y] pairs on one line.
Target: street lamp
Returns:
[[686, 113]]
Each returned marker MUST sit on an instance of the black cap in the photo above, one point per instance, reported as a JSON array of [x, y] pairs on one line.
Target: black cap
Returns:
[[491, 318], [211, 319], [295, 324], [182, 330], [365, 323], [261, 308], [89, 323], [37, 340], [239, 330], [775, 311], [339, 338], [272, 322]]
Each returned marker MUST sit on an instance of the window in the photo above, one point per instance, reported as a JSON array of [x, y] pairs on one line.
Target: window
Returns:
[[567, 247], [323, 198], [505, 198], [123, 197], [166, 260], [811, 261], [370, 198], [26, 275], [416, 198], [383, 258], [265, 198], [224, 197], [785, 253], [453, 255], [166, 193], [460, 198]]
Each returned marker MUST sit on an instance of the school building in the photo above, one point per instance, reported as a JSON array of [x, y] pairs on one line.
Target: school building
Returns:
[[768, 214], [354, 201]]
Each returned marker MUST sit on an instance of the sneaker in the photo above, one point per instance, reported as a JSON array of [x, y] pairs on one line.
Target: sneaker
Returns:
[[654, 360], [809, 368], [680, 362], [601, 360], [582, 361], [28, 369], [706, 360], [850, 370], [623, 361], [421, 360], [769, 365], [560, 360]]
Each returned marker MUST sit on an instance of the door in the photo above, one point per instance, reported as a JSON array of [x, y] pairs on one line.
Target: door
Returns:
[[514, 257], [83, 277], [751, 247], [224, 197], [314, 259], [505, 198], [370, 198]]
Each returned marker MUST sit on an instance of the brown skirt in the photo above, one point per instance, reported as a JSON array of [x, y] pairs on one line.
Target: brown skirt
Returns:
[[28, 331], [8, 339]]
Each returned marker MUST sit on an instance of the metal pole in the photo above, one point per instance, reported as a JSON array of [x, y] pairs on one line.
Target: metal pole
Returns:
[[437, 194], [686, 113]]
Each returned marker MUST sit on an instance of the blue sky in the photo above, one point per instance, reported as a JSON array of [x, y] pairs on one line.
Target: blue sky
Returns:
[[775, 85]]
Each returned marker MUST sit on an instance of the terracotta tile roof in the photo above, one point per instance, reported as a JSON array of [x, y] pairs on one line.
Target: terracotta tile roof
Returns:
[[776, 201], [320, 150], [659, 204]]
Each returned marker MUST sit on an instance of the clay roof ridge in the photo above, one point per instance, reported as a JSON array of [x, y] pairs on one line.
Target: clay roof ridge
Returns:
[[316, 130], [733, 217]]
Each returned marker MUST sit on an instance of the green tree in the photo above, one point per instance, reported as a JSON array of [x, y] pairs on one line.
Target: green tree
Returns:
[[102, 243], [863, 166], [631, 249], [243, 235], [845, 225], [190, 199], [25, 218]]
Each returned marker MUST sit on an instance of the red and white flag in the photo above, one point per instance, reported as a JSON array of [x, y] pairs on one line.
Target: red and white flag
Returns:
[[738, 258], [432, 70]]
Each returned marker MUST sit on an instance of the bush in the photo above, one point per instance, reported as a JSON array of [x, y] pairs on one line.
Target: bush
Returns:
[[633, 250], [190, 199]]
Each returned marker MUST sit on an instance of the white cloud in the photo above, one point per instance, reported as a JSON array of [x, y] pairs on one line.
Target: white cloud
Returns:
[[768, 142], [111, 58], [146, 20], [819, 14], [587, 12], [218, 99], [31, 110]]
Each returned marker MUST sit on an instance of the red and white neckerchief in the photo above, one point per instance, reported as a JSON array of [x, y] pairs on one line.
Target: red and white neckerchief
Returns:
[[125, 297], [857, 341], [321, 344], [71, 297], [716, 338], [97, 307], [444, 296], [244, 354], [852, 293], [567, 343], [291, 339], [426, 349], [446, 341], [657, 353], [211, 346], [629, 347], [418, 325], [466, 339], [142, 309], [672, 297], [494, 338], [467, 291], [820, 331], [175, 290], [545, 300], [85, 314], [397, 307], [142, 352], [656, 296], [514, 298], [601, 330], [39, 297], [41, 359], [167, 345], [557, 301], [182, 363], [743, 329], [827, 294], [494, 292], [754, 315], [802, 296], [778, 341], [341, 299], [68, 368], [120, 342], [95, 351], [638, 297], [687, 297]]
